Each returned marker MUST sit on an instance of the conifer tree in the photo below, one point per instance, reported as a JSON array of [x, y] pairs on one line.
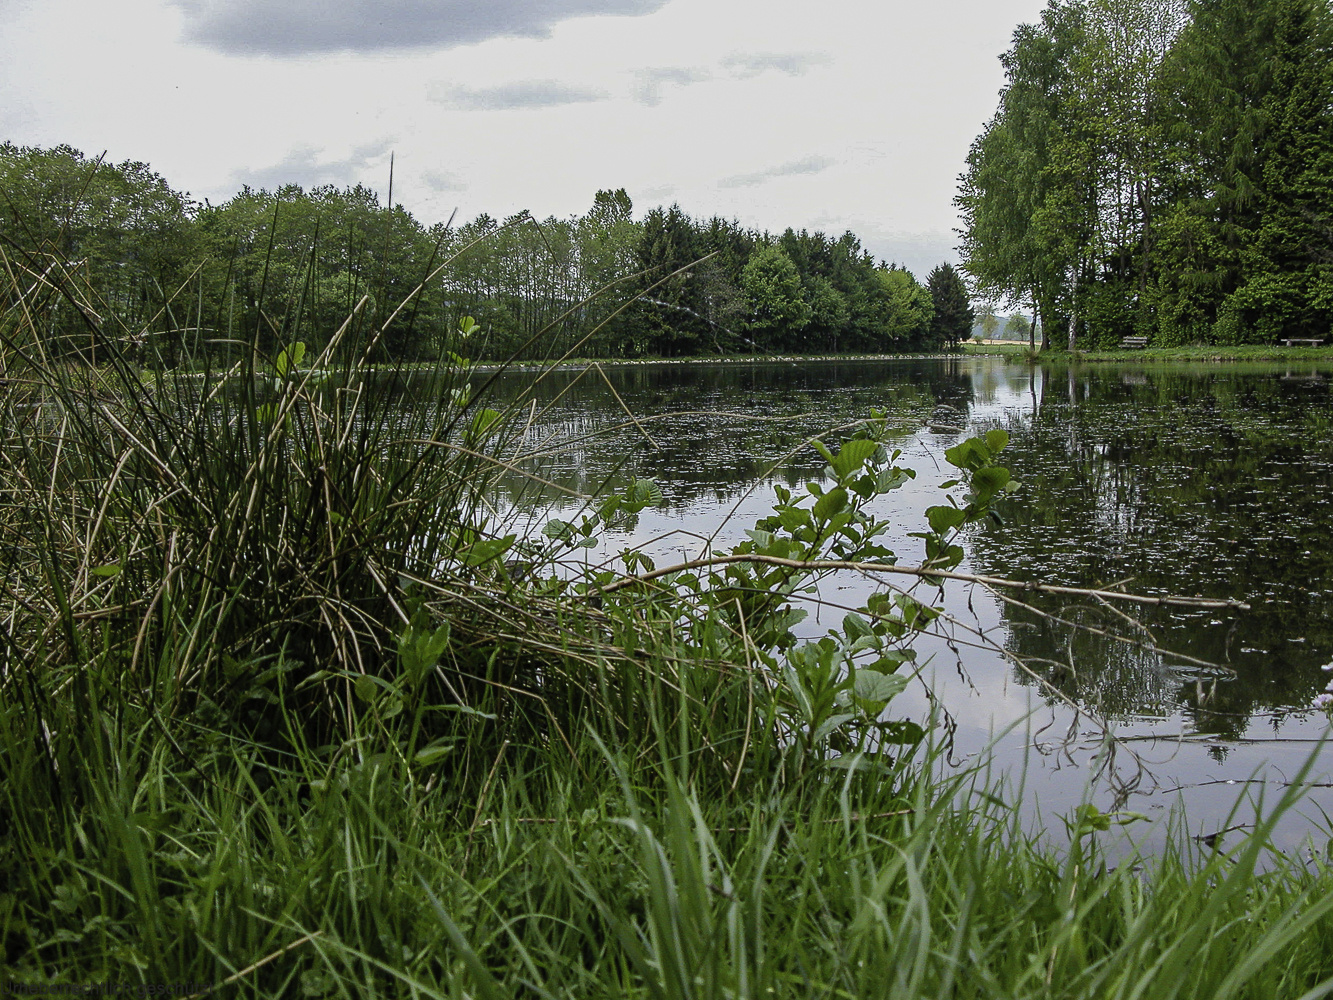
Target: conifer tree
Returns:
[[952, 320]]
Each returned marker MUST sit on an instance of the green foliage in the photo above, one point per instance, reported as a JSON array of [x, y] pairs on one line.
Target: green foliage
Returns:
[[1161, 170], [904, 309], [951, 315], [777, 305]]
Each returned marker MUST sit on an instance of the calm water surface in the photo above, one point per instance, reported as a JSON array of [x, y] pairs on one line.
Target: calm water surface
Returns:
[[1210, 480]]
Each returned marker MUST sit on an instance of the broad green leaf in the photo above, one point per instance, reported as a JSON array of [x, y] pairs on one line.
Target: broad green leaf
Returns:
[[561, 531], [902, 732], [108, 569], [891, 661], [855, 627], [990, 480], [640, 493], [997, 440], [971, 454], [482, 423], [366, 689], [829, 725], [830, 503], [891, 479], [432, 752], [871, 685], [762, 539], [943, 518], [479, 553], [852, 455]]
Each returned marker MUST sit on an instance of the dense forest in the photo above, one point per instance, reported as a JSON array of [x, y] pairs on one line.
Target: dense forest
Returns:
[[1161, 168], [188, 280]]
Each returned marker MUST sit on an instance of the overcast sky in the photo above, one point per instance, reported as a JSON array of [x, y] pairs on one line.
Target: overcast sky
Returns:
[[846, 114]]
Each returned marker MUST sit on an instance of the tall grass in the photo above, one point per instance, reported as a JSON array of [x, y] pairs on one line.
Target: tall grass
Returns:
[[286, 710]]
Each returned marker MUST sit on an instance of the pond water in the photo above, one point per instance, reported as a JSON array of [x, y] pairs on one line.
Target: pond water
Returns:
[[1206, 480]]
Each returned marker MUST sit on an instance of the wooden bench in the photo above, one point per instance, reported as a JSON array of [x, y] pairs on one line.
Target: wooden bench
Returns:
[[1133, 342], [1303, 341]]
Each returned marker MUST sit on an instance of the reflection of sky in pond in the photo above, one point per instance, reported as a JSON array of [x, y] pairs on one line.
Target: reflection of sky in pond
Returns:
[[1212, 481]]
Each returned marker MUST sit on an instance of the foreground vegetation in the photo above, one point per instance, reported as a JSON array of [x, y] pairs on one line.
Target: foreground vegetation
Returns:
[[289, 708]]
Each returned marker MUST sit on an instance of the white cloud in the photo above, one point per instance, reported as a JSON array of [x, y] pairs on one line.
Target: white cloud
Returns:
[[788, 63], [649, 83], [809, 165], [303, 165], [510, 96]]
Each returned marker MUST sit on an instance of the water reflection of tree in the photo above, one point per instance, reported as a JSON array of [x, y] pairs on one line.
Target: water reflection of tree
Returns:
[[1184, 482], [717, 427]]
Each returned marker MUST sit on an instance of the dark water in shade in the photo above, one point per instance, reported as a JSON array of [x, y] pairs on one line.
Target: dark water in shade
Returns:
[[1209, 480]]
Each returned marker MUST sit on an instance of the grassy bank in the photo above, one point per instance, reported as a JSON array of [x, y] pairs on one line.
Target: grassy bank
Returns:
[[287, 708], [1245, 352]]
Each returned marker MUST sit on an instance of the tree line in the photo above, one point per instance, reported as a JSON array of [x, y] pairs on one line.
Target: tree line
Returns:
[[1161, 168], [265, 266]]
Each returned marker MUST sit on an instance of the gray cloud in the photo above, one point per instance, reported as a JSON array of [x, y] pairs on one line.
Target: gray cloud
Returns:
[[300, 27], [441, 181], [649, 83], [790, 63], [303, 166], [656, 194], [810, 165], [520, 94]]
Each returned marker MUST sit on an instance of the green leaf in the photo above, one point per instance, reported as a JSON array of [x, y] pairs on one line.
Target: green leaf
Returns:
[[830, 503], [970, 455], [484, 551], [433, 752], [481, 424], [289, 359], [829, 725], [943, 518], [891, 661], [990, 480], [762, 539], [852, 455], [561, 531], [855, 627], [901, 732], [107, 569], [366, 689], [997, 440], [640, 493], [874, 690], [892, 479]]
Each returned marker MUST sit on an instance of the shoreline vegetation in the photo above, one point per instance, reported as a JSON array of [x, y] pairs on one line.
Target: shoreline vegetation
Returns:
[[1192, 352], [1008, 349], [287, 709]]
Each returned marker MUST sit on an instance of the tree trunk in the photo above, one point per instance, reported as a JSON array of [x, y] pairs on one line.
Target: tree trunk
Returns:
[[1073, 311]]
